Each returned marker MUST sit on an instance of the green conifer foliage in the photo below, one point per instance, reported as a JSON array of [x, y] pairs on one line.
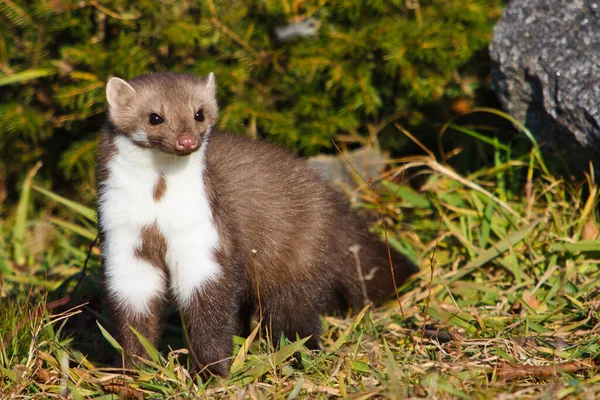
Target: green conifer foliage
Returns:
[[368, 61]]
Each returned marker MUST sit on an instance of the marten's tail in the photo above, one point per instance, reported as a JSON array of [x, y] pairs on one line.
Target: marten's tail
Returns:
[[377, 280]]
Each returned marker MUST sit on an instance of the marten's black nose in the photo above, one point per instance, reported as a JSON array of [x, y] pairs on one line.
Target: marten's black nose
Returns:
[[187, 142]]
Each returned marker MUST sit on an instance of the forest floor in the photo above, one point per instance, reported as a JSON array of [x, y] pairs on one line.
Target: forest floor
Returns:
[[506, 304]]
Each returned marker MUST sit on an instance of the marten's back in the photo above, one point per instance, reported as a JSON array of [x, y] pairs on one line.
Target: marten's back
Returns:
[[283, 220], [270, 204]]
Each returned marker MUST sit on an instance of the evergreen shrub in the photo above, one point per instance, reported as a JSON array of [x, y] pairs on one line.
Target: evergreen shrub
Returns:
[[361, 65]]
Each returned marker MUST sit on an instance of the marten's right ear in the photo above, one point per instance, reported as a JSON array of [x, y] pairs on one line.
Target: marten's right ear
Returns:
[[119, 93], [211, 86]]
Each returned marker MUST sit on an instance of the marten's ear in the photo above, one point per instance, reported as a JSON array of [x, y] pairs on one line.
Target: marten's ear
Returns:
[[119, 93], [211, 85]]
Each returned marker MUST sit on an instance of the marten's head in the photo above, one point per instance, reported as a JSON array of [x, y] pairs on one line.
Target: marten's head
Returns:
[[169, 112]]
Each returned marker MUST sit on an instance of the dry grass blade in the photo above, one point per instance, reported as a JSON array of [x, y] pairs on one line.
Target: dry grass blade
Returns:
[[433, 165], [21, 219]]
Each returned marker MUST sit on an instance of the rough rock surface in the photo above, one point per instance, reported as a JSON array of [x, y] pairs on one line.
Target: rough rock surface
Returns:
[[547, 72]]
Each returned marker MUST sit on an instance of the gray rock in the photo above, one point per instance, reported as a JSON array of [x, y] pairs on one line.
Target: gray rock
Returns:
[[547, 72], [367, 161]]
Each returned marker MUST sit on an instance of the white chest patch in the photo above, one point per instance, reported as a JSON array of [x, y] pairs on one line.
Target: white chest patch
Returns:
[[182, 214]]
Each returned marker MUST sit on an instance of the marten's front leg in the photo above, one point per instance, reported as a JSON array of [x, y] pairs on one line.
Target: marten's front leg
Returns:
[[294, 311], [136, 286], [212, 320], [206, 293]]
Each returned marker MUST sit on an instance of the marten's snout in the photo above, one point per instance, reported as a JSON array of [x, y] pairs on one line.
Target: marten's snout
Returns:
[[187, 143]]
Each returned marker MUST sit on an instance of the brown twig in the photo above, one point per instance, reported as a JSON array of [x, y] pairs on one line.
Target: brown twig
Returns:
[[512, 371], [430, 283], [84, 270]]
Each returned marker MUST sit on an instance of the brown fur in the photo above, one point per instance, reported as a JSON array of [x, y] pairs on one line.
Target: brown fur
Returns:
[[301, 230], [283, 232], [148, 325], [154, 247], [106, 151], [159, 188]]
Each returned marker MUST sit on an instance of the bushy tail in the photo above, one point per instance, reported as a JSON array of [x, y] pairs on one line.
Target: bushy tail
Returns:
[[384, 271], [377, 280]]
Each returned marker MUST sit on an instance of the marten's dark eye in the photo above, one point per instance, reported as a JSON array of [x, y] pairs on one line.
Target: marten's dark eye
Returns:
[[155, 119], [199, 116]]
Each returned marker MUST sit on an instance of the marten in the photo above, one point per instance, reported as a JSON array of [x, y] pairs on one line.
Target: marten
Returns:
[[218, 222]]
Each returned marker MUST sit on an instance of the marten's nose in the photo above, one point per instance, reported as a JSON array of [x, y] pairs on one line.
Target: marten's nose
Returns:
[[187, 142]]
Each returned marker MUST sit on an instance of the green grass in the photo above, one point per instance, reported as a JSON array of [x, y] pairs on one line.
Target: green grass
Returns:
[[506, 303]]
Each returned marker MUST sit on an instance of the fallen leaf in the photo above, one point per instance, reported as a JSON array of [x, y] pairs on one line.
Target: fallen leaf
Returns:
[[118, 385]]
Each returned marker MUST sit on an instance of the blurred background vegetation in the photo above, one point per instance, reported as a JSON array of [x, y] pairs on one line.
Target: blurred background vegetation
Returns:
[[360, 67]]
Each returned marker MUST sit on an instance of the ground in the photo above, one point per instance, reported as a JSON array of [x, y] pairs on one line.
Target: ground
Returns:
[[505, 306]]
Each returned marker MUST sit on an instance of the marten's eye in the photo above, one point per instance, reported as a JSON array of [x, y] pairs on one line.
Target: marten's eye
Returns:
[[155, 119], [199, 116]]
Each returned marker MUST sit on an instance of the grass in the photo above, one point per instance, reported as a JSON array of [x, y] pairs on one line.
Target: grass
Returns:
[[506, 304]]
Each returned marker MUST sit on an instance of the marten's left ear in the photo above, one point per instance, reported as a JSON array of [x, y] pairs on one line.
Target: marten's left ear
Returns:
[[119, 93], [211, 85]]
